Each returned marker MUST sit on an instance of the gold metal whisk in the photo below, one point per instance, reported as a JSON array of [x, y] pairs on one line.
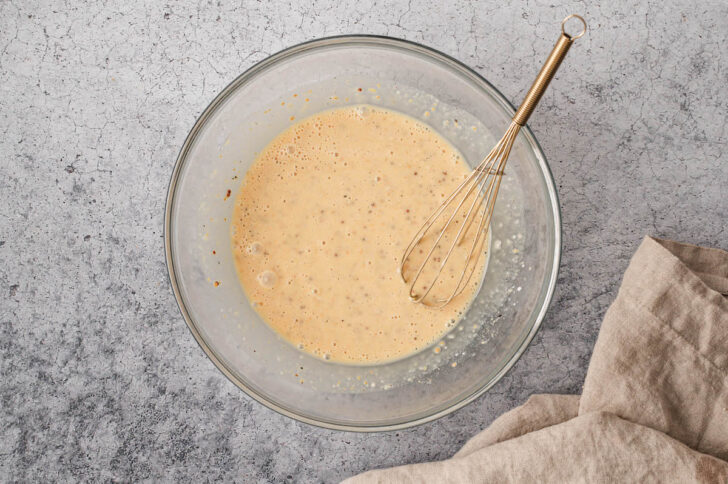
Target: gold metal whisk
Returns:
[[482, 187]]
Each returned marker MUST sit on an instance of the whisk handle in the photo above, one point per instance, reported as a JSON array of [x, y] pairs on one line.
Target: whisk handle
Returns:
[[547, 72]]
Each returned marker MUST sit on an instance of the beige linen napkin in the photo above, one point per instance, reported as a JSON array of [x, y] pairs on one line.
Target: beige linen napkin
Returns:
[[655, 401]]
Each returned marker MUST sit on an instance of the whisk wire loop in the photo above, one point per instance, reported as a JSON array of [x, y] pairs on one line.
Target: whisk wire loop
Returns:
[[482, 185]]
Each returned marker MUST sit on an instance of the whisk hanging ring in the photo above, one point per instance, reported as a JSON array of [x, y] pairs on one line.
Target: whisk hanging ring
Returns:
[[583, 29]]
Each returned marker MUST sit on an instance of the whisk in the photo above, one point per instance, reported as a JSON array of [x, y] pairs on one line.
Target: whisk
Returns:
[[454, 217]]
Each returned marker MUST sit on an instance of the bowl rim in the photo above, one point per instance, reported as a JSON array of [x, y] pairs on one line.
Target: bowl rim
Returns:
[[433, 54]]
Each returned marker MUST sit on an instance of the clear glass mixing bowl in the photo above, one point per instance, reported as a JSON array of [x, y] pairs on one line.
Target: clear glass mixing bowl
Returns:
[[420, 82]]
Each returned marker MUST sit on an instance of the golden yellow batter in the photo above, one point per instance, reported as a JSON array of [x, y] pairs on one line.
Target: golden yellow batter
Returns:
[[322, 219]]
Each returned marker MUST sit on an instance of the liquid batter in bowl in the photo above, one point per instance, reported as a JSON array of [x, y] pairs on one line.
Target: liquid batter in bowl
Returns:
[[321, 222]]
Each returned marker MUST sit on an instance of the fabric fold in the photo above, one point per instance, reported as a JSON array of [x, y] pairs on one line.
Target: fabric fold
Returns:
[[662, 353], [539, 411], [596, 447]]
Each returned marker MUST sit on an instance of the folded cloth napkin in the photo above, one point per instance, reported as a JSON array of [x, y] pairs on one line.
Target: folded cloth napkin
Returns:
[[655, 401]]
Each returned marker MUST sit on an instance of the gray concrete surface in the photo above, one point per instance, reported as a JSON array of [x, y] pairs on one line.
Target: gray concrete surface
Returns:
[[100, 378]]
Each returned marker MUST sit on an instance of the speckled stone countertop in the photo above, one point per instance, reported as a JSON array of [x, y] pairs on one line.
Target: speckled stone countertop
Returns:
[[99, 376]]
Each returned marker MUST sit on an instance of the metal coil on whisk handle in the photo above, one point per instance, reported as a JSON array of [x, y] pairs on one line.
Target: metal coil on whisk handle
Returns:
[[452, 230], [533, 96]]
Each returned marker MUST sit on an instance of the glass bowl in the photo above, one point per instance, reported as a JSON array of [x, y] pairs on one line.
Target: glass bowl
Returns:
[[457, 103]]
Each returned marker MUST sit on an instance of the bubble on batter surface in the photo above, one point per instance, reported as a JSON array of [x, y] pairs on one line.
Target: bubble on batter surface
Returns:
[[361, 111], [255, 248], [267, 279]]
